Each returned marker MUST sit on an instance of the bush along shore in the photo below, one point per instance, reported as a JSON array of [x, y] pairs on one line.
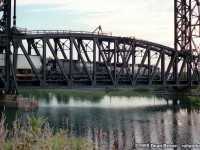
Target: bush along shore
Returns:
[[37, 135], [195, 97], [194, 100]]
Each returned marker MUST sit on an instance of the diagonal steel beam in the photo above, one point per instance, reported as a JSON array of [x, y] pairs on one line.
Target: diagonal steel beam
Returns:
[[84, 50], [57, 41], [158, 61], [142, 63], [36, 49], [58, 62], [126, 60], [81, 57], [185, 60], [104, 59], [173, 58]]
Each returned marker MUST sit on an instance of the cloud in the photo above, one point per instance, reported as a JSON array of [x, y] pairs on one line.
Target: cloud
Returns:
[[39, 2], [93, 5], [151, 20]]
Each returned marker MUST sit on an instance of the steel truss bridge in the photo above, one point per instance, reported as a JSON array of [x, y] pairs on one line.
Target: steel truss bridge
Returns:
[[97, 59]]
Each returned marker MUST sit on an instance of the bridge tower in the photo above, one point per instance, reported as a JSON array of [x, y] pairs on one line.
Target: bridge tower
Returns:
[[187, 25], [6, 76], [187, 32]]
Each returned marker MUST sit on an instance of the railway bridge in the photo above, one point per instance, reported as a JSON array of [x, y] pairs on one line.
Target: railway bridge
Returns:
[[98, 59]]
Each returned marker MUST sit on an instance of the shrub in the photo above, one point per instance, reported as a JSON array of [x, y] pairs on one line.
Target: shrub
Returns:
[[38, 135]]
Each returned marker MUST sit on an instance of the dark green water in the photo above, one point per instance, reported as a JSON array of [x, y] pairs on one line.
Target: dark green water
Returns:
[[123, 122]]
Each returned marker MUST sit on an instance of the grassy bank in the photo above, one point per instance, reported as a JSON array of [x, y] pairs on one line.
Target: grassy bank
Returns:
[[128, 92], [65, 94], [87, 94], [37, 135]]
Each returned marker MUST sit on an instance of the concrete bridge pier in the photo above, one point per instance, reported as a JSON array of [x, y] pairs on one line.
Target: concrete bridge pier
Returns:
[[17, 101]]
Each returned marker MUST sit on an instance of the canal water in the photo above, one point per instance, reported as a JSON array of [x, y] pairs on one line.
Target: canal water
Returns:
[[121, 122]]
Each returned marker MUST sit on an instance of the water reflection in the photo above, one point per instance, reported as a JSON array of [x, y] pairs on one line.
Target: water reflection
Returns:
[[124, 122], [106, 102]]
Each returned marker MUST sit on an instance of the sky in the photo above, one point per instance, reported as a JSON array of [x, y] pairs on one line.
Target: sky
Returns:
[[151, 20]]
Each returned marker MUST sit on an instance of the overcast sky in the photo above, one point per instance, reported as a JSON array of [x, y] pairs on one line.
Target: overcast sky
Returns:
[[150, 20]]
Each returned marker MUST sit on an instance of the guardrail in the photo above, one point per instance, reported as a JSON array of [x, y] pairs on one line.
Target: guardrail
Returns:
[[33, 32]]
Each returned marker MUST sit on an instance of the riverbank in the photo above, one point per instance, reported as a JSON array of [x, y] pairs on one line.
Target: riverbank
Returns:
[[87, 94], [97, 93]]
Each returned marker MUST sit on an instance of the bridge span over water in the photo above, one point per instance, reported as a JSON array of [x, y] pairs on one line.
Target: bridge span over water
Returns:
[[97, 59]]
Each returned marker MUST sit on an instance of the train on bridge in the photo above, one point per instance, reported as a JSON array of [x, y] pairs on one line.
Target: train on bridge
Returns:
[[25, 74]]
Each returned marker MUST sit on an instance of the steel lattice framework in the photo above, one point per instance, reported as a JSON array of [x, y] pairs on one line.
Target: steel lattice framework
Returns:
[[5, 45], [187, 25], [97, 59], [187, 31]]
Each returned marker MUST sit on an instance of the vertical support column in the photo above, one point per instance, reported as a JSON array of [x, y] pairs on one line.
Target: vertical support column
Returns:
[[133, 63], [94, 63], [115, 59], [15, 55], [163, 77], [8, 40], [124, 53], [79, 47], [14, 67], [190, 40], [118, 51], [189, 72], [149, 66], [29, 47], [56, 47], [71, 59], [175, 69], [175, 25], [109, 52], [190, 24], [198, 67], [44, 70], [14, 15]]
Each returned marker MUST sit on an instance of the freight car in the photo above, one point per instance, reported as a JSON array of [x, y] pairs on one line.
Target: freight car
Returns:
[[53, 69], [23, 68]]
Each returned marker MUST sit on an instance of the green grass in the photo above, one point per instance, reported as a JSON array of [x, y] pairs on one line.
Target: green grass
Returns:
[[65, 94], [94, 95], [129, 92]]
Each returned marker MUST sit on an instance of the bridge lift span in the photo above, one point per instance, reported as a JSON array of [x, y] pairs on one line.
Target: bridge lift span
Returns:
[[97, 59]]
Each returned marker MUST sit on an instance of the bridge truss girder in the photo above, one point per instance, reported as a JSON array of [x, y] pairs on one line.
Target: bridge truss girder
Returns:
[[98, 60]]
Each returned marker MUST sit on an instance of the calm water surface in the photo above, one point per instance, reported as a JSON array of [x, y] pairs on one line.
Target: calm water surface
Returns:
[[120, 122]]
